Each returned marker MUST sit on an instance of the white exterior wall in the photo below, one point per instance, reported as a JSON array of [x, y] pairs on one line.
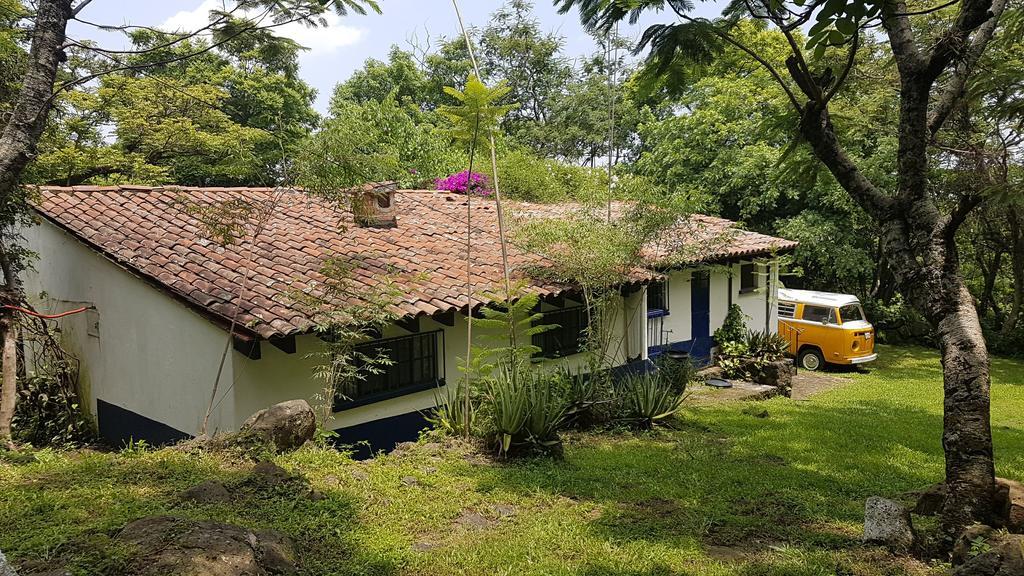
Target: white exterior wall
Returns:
[[760, 304], [278, 376], [152, 355]]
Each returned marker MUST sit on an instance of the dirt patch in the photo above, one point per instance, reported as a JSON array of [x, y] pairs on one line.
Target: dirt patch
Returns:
[[728, 553], [807, 384]]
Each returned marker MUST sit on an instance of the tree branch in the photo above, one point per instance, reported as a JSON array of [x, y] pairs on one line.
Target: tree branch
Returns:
[[954, 89], [973, 13], [80, 7], [767, 66], [901, 39], [816, 128], [850, 61]]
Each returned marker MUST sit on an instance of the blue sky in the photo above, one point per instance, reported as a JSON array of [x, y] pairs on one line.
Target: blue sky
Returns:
[[336, 51]]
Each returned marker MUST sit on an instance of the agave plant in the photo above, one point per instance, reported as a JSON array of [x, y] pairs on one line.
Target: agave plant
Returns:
[[765, 345], [547, 411], [450, 415], [649, 399], [509, 405]]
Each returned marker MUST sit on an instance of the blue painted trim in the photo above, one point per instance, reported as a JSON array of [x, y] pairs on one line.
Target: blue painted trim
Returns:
[[381, 435], [118, 426], [698, 349]]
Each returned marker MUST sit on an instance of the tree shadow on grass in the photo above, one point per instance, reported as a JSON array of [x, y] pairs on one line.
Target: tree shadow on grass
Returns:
[[799, 476], [66, 512]]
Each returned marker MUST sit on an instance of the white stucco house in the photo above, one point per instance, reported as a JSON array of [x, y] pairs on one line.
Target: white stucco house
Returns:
[[164, 294]]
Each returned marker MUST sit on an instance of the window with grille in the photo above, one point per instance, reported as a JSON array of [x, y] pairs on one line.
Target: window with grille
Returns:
[[414, 364], [567, 335], [748, 277], [657, 298], [787, 310]]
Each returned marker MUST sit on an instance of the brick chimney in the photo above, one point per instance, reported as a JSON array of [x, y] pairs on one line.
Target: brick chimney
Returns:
[[373, 205]]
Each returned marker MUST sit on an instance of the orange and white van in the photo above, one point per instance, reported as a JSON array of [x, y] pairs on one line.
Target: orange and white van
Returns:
[[825, 328]]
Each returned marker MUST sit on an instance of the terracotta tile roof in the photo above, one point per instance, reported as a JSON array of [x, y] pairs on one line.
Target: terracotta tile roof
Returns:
[[148, 231]]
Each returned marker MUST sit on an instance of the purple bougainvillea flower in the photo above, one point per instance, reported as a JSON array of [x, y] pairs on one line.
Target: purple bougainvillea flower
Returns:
[[460, 182]]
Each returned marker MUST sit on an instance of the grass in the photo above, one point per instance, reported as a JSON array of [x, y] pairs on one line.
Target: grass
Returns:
[[729, 492]]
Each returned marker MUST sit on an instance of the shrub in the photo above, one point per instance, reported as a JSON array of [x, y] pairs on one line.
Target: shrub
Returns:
[[524, 414], [896, 322], [677, 373], [450, 415], [734, 327], [747, 357], [648, 399], [464, 181], [587, 398]]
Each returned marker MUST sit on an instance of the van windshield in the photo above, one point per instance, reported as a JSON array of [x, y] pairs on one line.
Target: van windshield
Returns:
[[851, 313]]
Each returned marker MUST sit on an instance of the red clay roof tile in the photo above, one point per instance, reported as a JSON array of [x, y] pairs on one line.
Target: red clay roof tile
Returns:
[[146, 230]]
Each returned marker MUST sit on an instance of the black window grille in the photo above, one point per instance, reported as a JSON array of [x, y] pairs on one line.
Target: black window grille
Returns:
[[566, 337], [414, 364], [787, 309], [748, 277], [657, 297]]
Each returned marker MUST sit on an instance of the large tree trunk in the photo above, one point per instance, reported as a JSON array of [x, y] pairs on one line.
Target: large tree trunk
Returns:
[[919, 246], [967, 433], [9, 386], [17, 148]]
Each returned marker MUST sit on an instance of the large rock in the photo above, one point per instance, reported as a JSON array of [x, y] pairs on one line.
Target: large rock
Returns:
[[972, 537], [163, 545], [207, 492], [287, 425], [997, 555], [887, 523], [929, 501], [1009, 505], [778, 373]]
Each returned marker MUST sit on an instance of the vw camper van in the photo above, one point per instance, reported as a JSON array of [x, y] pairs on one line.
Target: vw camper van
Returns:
[[825, 328]]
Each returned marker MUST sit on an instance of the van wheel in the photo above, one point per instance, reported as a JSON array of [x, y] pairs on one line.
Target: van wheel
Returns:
[[811, 359]]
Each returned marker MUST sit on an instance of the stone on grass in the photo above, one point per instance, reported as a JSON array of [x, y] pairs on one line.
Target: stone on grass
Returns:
[[504, 510], [287, 425], [5, 568], [410, 480], [978, 533], [887, 523], [1010, 505], [929, 502], [1000, 555], [778, 374], [207, 492], [169, 545], [473, 521]]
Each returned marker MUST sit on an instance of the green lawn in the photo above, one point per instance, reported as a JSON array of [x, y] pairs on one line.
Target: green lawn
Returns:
[[729, 492]]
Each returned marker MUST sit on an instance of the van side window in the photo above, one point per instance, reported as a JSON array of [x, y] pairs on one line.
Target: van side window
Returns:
[[748, 277], [819, 314], [787, 310]]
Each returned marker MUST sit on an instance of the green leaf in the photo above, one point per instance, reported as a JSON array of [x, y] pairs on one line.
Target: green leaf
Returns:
[[831, 8], [819, 26], [846, 26]]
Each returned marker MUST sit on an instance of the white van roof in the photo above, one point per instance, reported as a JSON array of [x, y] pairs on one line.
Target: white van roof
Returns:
[[818, 298]]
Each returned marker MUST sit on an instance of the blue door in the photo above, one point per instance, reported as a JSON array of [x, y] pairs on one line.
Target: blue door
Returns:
[[700, 316]]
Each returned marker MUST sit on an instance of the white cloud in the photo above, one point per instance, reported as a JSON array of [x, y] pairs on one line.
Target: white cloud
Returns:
[[320, 41]]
